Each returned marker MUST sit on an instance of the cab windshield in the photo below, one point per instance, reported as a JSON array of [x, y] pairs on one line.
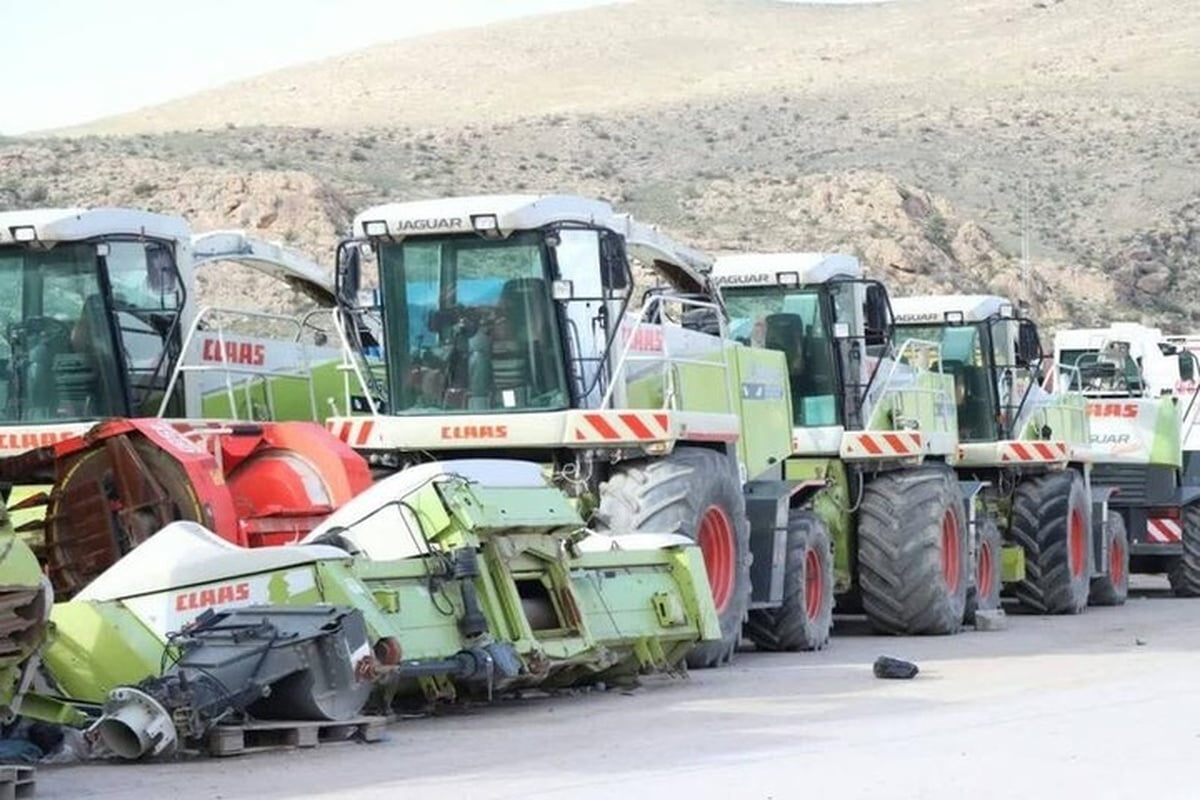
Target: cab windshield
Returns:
[[796, 324], [68, 352], [470, 326], [964, 357]]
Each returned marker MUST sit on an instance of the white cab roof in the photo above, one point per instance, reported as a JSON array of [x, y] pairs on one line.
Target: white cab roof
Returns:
[[925, 309], [76, 224], [520, 212], [762, 269], [1095, 338]]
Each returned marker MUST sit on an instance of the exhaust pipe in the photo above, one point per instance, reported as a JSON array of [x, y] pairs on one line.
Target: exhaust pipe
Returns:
[[135, 725]]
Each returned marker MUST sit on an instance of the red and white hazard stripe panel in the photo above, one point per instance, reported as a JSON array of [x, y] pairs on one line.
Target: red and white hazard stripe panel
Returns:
[[1164, 531], [893, 444], [354, 432], [1011, 452], [628, 426]]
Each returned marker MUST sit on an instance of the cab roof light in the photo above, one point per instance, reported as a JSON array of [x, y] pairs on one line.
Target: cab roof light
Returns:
[[486, 225], [375, 227], [787, 278], [23, 233]]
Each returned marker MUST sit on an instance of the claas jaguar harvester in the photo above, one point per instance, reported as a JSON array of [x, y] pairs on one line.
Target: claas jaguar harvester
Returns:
[[512, 325], [874, 432], [1141, 395], [1029, 446], [101, 320], [98, 303], [470, 577]]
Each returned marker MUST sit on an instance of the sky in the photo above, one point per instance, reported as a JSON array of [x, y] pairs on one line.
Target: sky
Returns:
[[64, 62]]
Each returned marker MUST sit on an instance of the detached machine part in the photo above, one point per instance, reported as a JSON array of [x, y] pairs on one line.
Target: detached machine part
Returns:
[[472, 577], [268, 662], [25, 601], [253, 484]]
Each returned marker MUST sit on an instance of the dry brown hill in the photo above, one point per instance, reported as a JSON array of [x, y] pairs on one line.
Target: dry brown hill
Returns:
[[919, 133]]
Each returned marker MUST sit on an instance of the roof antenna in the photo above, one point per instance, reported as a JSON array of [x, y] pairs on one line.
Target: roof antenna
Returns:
[[1025, 235]]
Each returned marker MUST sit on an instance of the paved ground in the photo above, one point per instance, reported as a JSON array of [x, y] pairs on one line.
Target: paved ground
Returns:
[[1102, 706]]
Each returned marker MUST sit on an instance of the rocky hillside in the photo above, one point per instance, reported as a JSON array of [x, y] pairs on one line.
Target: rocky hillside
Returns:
[[925, 135]]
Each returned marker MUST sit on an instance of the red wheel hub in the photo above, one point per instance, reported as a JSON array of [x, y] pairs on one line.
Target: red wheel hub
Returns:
[[1076, 544], [951, 565], [717, 547], [814, 584], [1116, 561], [983, 578]]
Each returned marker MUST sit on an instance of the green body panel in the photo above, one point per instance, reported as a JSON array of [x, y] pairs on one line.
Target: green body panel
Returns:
[[24, 594], [288, 394], [94, 647], [764, 407], [615, 612], [1066, 417], [832, 505], [1137, 430], [1012, 563], [924, 400]]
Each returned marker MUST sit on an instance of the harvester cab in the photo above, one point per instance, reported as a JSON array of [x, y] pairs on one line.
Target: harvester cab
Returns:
[[873, 430], [99, 304], [1140, 390], [103, 323], [1024, 437], [514, 325]]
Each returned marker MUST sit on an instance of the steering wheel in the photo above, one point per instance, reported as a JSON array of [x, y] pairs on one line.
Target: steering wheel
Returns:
[[50, 327]]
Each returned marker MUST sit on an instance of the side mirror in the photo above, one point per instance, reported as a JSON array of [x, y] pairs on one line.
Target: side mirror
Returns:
[[1187, 366], [160, 269], [614, 267], [1029, 346], [349, 273], [878, 316]]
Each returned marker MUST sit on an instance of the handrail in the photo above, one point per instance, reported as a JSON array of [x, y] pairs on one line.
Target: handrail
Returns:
[[219, 314], [670, 389]]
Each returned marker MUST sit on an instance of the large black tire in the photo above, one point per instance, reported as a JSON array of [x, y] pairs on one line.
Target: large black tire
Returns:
[[1185, 572], [984, 594], [1050, 521], [804, 618], [697, 493], [912, 552], [1112, 588]]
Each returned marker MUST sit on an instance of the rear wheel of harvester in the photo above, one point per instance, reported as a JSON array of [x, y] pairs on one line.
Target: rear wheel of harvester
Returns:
[[1112, 589], [984, 594], [804, 618], [1050, 522], [912, 552], [695, 492], [1185, 573]]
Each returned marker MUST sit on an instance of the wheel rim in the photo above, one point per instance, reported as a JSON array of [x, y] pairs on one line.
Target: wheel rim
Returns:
[[1116, 561], [814, 584], [950, 554], [716, 546], [983, 580], [1077, 543]]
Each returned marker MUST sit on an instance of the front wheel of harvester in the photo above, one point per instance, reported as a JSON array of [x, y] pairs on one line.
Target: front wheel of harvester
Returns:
[[984, 594], [912, 552], [804, 618], [1050, 522], [1112, 588], [1185, 574], [697, 493]]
